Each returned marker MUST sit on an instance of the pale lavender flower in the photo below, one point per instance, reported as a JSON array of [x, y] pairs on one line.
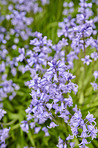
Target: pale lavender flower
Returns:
[[86, 60], [95, 74], [21, 57], [61, 143], [37, 129], [4, 133], [2, 67], [94, 56], [95, 85], [90, 118], [82, 144], [92, 131], [2, 112], [72, 144], [46, 131], [52, 125], [44, 2], [24, 125]]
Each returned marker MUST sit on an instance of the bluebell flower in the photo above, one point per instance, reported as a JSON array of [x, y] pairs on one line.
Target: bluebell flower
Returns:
[[46, 131], [2, 112], [2, 67], [37, 129], [94, 56], [61, 144], [86, 60], [90, 118], [24, 125], [22, 55], [95, 74], [82, 144], [92, 131], [4, 133], [95, 85], [52, 125]]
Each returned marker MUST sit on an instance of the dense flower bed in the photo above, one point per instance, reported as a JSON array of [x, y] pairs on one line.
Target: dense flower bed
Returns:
[[48, 87]]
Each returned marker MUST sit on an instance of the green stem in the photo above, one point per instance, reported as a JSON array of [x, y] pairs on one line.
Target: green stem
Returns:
[[7, 124]]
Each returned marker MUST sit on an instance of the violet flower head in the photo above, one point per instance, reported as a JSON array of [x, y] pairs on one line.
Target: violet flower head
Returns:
[[24, 125], [46, 131], [90, 118], [94, 56], [37, 129], [4, 134], [45, 2], [86, 60], [2, 67], [95, 74], [61, 144], [69, 8], [87, 125], [95, 86], [52, 125], [22, 55], [2, 112]]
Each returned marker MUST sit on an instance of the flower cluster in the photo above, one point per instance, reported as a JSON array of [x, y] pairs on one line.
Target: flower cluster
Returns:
[[36, 59], [79, 31], [3, 131], [66, 6], [48, 98], [47, 95], [94, 84], [20, 23]]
